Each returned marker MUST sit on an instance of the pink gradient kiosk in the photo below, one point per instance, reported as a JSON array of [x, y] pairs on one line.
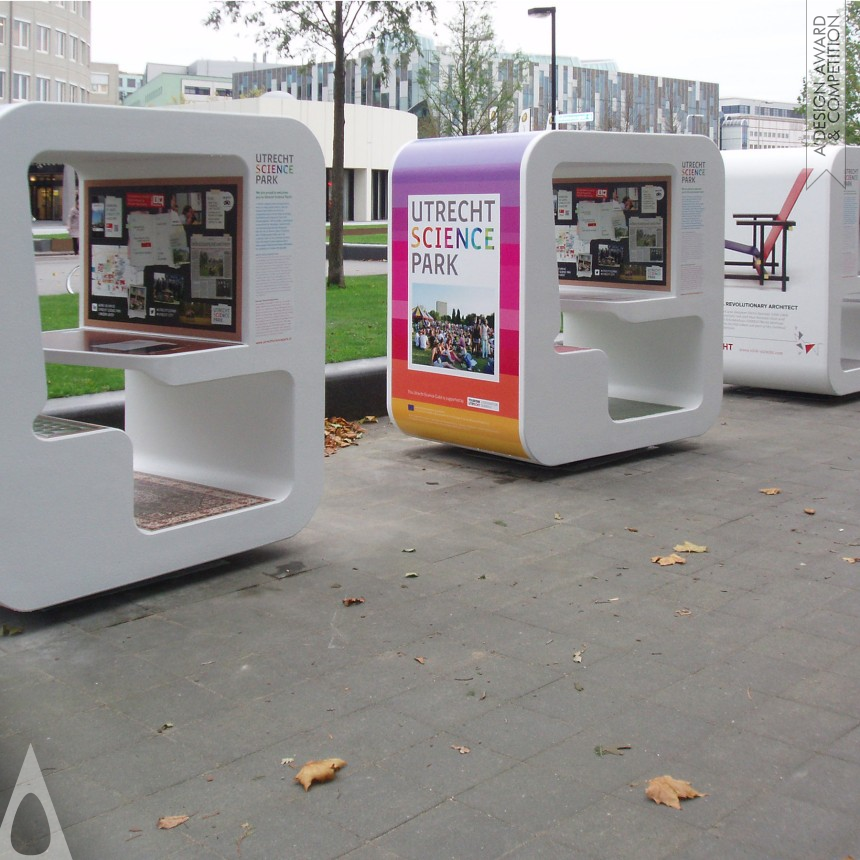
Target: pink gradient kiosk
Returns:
[[495, 239], [203, 254], [792, 278]]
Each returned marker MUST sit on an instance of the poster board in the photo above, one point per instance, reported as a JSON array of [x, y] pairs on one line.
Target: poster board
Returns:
[[613, 232], [164, 256]]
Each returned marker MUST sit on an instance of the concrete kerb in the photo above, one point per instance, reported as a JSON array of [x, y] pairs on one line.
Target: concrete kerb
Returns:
[[353, 389]]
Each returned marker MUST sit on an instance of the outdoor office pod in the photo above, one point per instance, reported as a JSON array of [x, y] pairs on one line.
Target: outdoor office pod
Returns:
[[495, 239], [792, 277], [203, 254]]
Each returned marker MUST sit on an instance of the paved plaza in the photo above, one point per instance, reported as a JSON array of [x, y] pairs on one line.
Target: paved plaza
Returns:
[[518, 671]]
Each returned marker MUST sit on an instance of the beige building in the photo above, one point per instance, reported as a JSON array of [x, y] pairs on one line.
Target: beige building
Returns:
[[45, 57], [45, 51]]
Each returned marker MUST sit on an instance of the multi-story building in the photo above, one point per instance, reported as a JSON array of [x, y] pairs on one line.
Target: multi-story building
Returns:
[[203, 80], [620, 101], [45, 56], [756, 124]]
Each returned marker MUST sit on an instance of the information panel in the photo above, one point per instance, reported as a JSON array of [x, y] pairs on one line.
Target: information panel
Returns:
[[613, 232], [164, 256]]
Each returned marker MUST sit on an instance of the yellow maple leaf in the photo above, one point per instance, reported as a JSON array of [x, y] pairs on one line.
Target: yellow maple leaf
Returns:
[[321, 770], [771, 491], [689, 547], [670, 791], [665, 560]]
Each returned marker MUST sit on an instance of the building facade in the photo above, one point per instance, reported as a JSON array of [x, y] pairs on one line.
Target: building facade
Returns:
[[620, 101], [756, 124], [45, 56]]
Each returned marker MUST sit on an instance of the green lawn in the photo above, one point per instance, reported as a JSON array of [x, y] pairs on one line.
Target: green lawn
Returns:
[[355, 328]]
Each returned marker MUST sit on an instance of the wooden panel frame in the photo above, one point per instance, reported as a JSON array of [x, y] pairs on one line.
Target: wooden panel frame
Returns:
[[173, 186]]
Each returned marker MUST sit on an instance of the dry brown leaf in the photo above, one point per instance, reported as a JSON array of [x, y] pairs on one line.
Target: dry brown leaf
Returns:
[[683, 613], [771, 491], [352, 601], [809, 511], [171, 821], [665, 560], [689, 547], [421, 660], [322, 770], [631, 529], [670, 791], [850, 559], [461, 749], [340, 433], [368, 419]]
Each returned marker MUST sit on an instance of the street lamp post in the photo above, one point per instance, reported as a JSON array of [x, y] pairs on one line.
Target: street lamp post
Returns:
[[543, 12]]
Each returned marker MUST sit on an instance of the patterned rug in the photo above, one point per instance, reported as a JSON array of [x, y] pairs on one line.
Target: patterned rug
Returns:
[[161, 502]]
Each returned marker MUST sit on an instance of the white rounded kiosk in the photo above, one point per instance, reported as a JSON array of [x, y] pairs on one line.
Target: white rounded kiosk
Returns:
[[496, 240], [203, 253], [792, 277]]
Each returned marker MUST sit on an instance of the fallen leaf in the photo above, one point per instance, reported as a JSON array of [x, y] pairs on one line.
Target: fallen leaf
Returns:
[[558, 517], [247, 830], [165, 727], [408, 549], [618, 750], [577, 656], [670, 791], [850, 559], [810, 511], [352, 601], [7, 630], [666, 560], [410, 575], [771, 491], [368, 419], [421, 660], [461, 749], [578, 687], [683, 613], [288, 760], [631, 529], [322, 770], [689, 547], [340, 433], [171, 821]]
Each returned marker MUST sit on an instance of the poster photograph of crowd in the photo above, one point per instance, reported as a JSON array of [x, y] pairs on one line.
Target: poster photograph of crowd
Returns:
[[453, 330]]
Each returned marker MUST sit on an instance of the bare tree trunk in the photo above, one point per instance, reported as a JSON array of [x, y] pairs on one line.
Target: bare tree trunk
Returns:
[[335, 235]]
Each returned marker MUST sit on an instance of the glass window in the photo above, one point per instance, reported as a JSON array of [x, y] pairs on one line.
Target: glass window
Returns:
[[20, 87], [61, 43], [73, 48], [43, 89], [43, 39], [2, 84], [21, 31], [61, 91], [2, 31]]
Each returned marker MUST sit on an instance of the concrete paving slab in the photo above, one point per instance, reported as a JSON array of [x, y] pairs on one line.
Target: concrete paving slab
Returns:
[[737, 671]]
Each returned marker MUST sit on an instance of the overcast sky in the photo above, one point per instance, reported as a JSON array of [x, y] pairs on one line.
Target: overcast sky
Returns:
[[752, 48]]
